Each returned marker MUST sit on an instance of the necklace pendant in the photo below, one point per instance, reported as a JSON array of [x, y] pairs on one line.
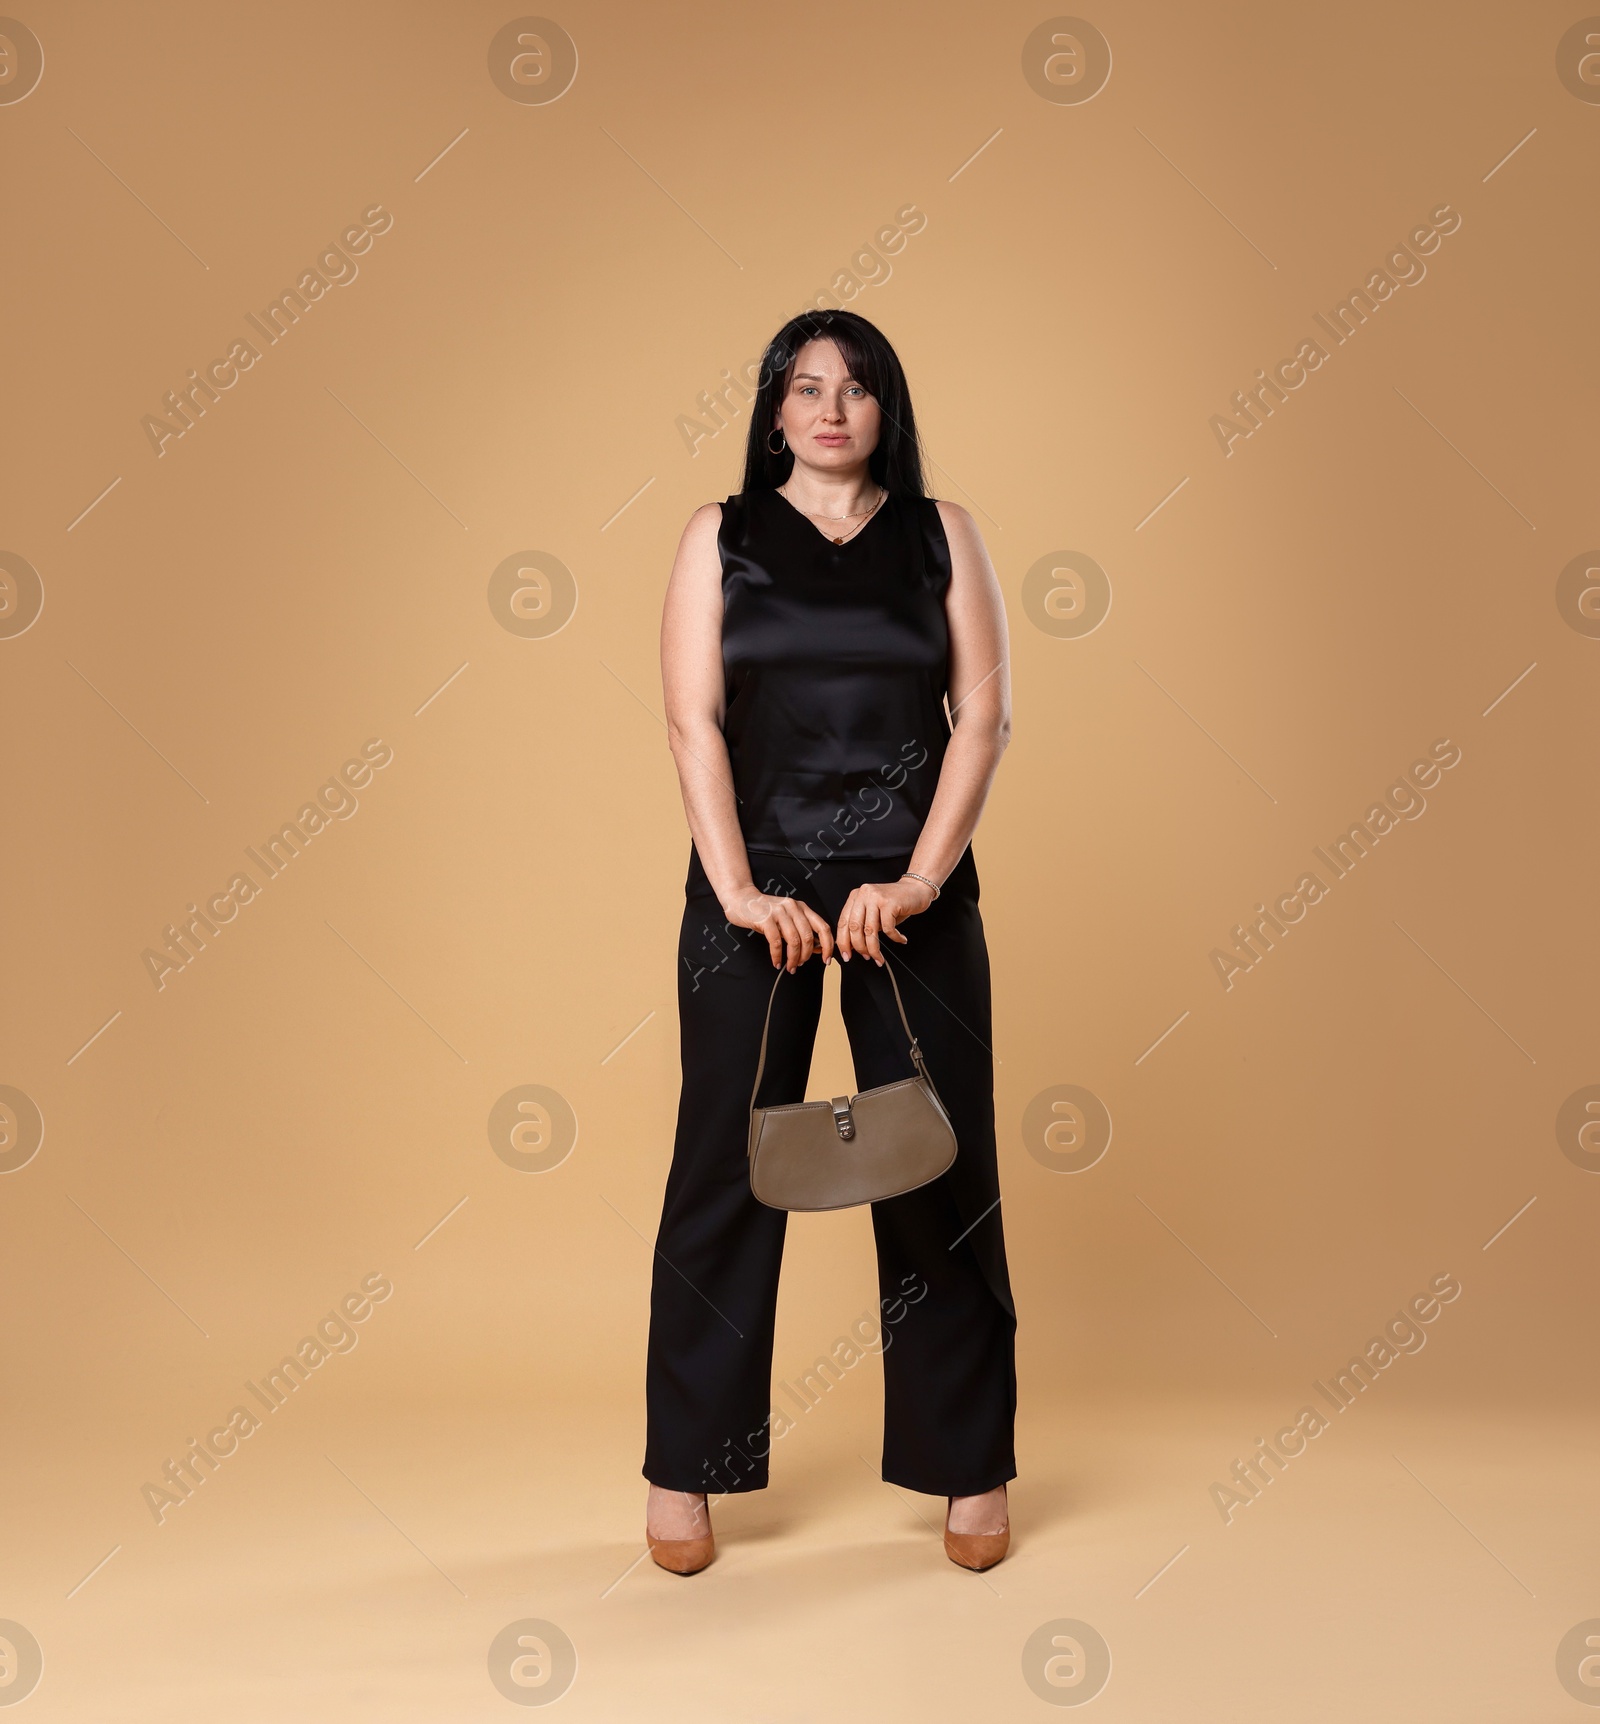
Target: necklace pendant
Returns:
[[838, 541]]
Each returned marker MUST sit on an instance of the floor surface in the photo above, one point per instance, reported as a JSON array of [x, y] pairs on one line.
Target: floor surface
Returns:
[[374, 1563]]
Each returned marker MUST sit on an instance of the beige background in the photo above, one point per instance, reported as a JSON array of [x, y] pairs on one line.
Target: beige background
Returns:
[[308, 568]]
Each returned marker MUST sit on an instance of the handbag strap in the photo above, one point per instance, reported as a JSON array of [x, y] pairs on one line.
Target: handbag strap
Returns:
[[916, 1050]]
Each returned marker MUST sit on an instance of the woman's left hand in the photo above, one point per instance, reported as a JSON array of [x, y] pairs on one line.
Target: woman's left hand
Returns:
[[876, 910]]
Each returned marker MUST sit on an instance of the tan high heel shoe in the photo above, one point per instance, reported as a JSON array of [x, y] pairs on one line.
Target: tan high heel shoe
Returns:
[[976, 1550], [683, 1555]]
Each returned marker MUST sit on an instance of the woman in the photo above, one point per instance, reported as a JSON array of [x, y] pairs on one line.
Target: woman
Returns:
[[834, 661]]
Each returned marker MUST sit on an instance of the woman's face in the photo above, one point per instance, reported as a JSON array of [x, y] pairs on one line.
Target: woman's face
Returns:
[[827, 418]]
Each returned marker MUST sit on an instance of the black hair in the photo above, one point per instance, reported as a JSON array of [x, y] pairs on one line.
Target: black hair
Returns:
[[896, 463]]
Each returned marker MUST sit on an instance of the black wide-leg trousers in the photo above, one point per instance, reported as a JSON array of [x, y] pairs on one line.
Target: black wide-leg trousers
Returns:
[[948, 1321]]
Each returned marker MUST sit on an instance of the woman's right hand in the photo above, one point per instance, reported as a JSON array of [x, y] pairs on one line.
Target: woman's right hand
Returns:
[[793, 931]]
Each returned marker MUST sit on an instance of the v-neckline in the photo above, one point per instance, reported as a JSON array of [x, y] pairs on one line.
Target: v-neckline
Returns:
[[827, 538]]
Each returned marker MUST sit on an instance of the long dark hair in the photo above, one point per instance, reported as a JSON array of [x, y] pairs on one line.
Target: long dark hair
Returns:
[[896, 463]]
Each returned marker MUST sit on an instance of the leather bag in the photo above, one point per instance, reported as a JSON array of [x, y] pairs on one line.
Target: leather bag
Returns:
[[813, 1155]]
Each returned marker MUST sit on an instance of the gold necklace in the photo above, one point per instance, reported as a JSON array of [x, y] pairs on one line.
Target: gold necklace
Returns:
[[864, 515]]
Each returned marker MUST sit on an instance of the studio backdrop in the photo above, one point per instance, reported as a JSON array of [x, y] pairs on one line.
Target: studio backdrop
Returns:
[[364, 367]]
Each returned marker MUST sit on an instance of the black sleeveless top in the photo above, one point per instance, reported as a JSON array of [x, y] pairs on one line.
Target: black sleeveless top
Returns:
[[835, 662]]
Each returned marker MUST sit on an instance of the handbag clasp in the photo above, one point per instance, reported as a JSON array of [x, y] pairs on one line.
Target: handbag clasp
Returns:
[[841, 1117]]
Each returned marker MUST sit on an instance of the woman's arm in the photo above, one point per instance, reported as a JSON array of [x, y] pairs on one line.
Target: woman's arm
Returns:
[[980, 712], [692, 689], [980, 698]]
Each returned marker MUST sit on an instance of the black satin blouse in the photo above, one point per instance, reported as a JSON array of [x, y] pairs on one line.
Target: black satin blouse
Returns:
[[835, 660]]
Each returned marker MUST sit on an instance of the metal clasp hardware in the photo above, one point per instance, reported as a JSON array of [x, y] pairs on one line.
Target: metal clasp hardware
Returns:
[[845, 1125]]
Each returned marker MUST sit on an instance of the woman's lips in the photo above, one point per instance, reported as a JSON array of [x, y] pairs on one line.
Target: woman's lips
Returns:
[[830, 437]]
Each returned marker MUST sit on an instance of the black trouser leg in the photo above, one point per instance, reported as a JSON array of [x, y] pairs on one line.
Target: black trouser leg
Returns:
[[714, 1289], [948, 1321]]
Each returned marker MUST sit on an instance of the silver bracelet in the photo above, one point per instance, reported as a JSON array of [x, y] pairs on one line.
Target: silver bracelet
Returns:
[[908, 875]]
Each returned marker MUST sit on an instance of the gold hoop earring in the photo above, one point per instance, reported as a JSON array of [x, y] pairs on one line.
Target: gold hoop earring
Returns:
[[781, 439]]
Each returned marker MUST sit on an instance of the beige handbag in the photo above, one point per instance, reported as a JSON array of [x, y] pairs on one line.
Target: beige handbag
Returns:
[[853, 1149]]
